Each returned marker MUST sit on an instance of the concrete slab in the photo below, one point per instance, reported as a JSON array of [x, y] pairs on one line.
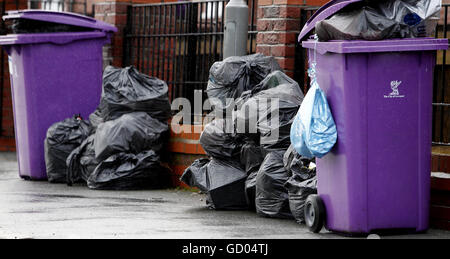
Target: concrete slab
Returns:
[[30, 209]]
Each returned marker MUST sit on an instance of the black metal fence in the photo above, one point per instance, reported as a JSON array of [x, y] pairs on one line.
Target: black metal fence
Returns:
[[441, 88], [178, 42], [76, 6]]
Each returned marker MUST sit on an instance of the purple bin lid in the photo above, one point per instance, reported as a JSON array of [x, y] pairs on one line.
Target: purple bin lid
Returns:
[[391, 45], [323, 13], [62, 18]]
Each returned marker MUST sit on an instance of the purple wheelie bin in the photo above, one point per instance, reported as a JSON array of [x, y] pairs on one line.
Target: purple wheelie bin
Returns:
[[53, 76], [377, 176]]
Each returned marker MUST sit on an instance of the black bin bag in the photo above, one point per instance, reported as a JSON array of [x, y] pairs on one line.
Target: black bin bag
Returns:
[[272, 199], [383, 19], [250, 189], [131, 133], [297, 165], [273, 107], [195, 175], [18, 26], [62, 138], [251, 159], [222, 181], [96, 118], [301, 184], [218, 141], [299, 190], [126, 90], [81, 163], [234, 75], [126, 171], [277, 94]]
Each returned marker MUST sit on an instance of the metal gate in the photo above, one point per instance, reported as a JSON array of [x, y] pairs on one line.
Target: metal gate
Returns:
[[441, 88], [178, 42]]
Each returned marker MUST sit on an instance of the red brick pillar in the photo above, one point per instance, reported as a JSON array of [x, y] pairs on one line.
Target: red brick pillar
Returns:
[[278, 25], [115, 13]]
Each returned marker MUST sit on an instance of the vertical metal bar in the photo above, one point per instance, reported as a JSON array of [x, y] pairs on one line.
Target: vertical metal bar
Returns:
[[138, 33], [252, 25], [444, 61], [179, 57], [143, 40], [153, 40], [131, 46], [149, 41], [177, 50], [183, 62], [169, 53], [174, 50], [205, 30], [198, 44], [215, 30], [159, 42], [126, 38], [163, 72], [211, 29], [222, 29], [187, 63], [194, 60], [145, 47], [169, 45], [205, 52]]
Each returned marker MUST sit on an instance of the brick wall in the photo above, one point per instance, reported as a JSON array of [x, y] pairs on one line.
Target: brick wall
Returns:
[[278, 25], [113, 12], [184, 149], [440, 201]]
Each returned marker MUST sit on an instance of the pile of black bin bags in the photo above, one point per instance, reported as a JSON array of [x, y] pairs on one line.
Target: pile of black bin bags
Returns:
[[119, 146], [243, 172]]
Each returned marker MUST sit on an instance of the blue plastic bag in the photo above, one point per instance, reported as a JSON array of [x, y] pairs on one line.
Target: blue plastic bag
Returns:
[[313, 132]]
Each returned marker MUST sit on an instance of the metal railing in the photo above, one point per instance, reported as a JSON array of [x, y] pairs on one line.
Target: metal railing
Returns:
[[441, 88], [178, 42], [76, 6]]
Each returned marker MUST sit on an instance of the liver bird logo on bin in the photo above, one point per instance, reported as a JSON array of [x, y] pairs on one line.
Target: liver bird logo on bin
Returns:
[[394, 87]]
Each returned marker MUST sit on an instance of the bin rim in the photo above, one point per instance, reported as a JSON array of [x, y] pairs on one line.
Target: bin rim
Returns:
[[66, 18], [323, 13], [364, 46], [58, 38]]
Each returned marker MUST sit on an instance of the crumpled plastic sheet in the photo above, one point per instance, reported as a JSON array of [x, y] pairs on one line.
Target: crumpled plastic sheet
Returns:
[[378, 20]]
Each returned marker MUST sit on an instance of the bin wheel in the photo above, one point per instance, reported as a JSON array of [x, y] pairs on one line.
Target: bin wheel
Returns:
[[314, 213]]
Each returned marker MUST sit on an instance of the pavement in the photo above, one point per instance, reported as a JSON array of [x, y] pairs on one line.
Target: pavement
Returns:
[[38, 209]]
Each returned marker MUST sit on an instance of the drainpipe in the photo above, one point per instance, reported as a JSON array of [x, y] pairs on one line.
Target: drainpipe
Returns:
[[236, 29]]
